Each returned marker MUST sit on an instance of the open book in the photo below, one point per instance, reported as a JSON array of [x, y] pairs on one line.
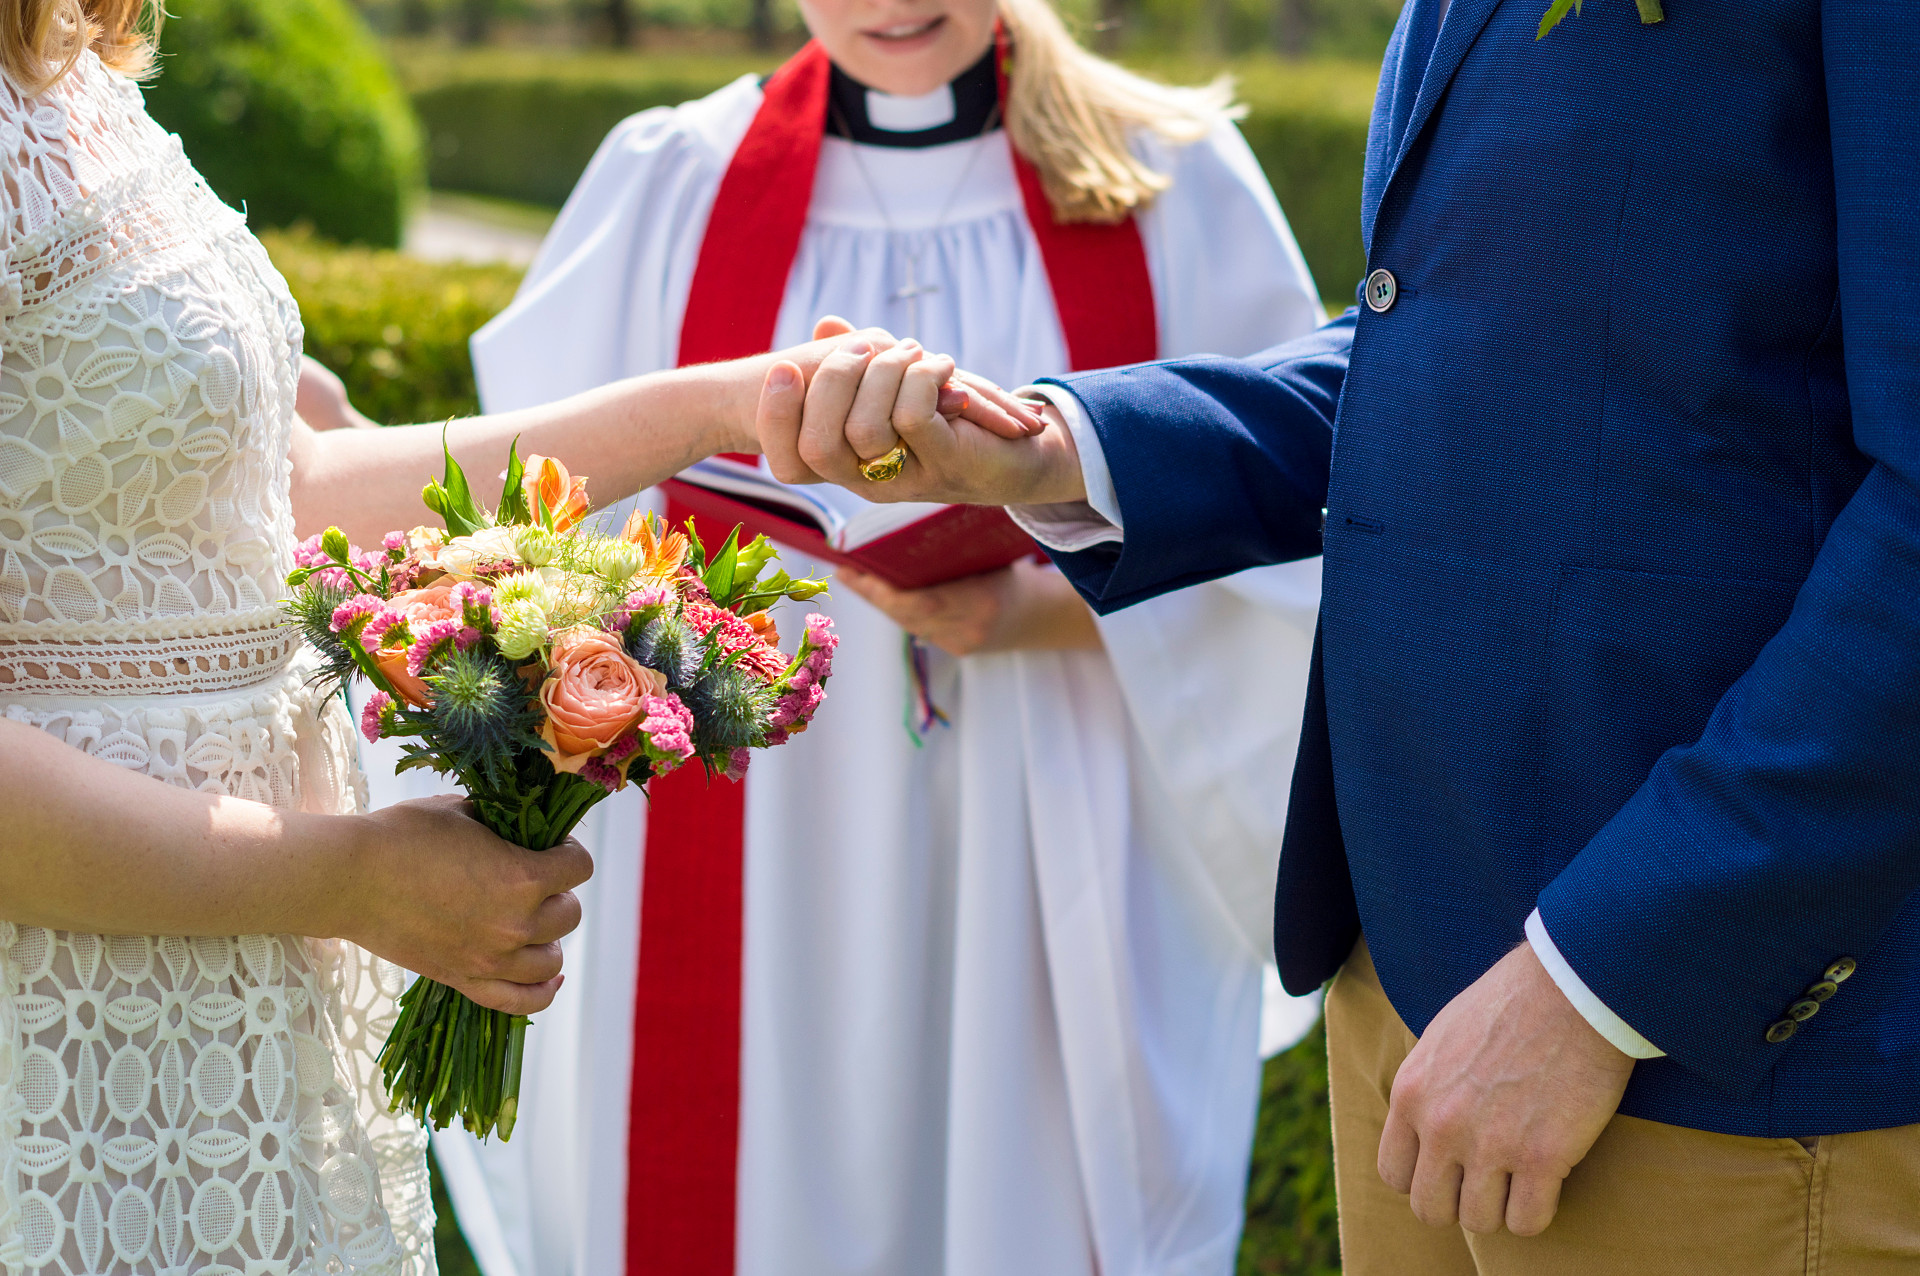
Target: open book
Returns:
[[909, 545]]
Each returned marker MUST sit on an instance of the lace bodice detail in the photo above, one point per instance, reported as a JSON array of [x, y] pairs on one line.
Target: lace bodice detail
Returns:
[[147, 374], [207, 1105]]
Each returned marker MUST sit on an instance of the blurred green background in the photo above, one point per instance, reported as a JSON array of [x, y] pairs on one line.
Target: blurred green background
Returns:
[[328, 120]]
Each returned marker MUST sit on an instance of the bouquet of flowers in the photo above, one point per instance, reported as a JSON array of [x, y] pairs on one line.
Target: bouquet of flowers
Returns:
[[544, 665]]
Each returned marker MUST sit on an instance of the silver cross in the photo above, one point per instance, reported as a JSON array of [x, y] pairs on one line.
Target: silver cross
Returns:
[[912, 293]]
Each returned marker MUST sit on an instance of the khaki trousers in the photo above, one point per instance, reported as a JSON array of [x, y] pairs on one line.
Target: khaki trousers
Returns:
[[1648, 1200]]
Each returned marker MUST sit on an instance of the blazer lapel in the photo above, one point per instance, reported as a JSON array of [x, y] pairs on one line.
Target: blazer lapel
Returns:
[[1465, 21]]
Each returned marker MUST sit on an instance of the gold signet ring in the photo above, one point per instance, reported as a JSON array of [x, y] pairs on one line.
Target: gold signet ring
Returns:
[[886, 468]]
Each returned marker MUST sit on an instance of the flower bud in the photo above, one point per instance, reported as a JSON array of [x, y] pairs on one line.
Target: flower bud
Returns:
[[522, 629], [537, 546], [618, 561]]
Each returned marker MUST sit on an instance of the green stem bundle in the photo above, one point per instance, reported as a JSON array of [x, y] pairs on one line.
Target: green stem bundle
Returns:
[[448, 1056]]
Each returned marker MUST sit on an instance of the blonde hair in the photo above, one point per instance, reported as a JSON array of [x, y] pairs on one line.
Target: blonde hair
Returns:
[[1070, 113], [40, 40]]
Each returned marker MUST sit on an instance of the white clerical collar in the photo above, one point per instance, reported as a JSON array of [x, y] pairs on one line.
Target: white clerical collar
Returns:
[[911, 114]]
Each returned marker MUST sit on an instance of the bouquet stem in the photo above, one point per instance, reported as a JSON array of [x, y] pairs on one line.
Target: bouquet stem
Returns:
[[449, 1056]]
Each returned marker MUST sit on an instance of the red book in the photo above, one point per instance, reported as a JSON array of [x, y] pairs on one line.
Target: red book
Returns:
[[909, 545]]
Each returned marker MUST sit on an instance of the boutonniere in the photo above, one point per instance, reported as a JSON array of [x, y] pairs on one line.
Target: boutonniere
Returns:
[[1650, 13]]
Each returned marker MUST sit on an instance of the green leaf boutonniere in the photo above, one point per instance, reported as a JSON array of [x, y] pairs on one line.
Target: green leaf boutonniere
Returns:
[[1650, 13]]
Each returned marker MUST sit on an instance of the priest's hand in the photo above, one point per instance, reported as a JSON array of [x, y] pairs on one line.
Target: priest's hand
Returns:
[[1504, 1094], [1026, 607], [971, 443]]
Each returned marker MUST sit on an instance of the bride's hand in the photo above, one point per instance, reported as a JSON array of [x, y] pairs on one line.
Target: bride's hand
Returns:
[[439, 894]]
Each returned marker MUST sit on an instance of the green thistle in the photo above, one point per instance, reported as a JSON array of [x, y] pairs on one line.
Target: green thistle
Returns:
[[480, 711], [730, 711], [311, 611], [666, 644]]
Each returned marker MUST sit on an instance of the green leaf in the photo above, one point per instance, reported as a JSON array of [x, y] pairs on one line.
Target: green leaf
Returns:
[[513, 501], [1559, 10], [752, 560], [720, 572], [696, 552], [463, 516], [1650, 12]]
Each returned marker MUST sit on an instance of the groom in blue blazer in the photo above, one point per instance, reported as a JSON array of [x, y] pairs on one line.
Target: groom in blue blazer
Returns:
[[1613, 751]]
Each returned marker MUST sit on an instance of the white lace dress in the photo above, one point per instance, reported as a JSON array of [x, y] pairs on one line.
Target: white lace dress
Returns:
[[170, 1105]]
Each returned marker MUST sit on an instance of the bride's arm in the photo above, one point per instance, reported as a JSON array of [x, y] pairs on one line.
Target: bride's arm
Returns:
[[626, 436], [97, 848]]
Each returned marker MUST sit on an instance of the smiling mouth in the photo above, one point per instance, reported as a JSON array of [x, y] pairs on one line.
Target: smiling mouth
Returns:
[[906, 30]]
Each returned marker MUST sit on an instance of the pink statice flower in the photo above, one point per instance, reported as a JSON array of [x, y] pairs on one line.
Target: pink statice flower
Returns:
[[737, 763], [374, 633], [376, 718], [666, 732], [356, 610], [805, 688], [433, 642], [395, 543], [645, 603], [476, 605], [600, 771]]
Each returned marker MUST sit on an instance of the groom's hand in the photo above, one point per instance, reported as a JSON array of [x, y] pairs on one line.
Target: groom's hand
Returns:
[[1504, 1094], [968, 440]]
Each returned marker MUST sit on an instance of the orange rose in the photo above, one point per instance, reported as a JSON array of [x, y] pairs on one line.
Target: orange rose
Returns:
[[420, 607], [547, 484], [593, 695]]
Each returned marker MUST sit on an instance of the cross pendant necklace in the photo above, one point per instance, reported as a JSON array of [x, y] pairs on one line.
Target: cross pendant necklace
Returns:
[[913, 290]]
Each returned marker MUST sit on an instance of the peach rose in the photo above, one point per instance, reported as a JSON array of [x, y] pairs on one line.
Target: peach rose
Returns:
[[546, 483], [593, 695], [420, 607]]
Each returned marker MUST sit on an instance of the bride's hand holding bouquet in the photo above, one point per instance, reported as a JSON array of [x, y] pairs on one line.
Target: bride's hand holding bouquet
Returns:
[[544, 664]]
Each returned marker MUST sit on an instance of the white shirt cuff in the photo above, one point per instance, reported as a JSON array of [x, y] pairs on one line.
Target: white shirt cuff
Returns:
[[1075, 525], [1591, 1008]]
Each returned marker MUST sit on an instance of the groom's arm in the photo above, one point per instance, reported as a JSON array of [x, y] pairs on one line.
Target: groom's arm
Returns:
[[1214, 465], [1788, 835]]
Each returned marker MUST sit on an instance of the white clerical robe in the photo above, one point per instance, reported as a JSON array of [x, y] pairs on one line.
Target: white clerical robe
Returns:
[[1003, 990]]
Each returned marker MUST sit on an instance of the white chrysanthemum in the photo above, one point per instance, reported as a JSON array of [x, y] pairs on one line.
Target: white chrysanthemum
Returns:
[[522, 629]]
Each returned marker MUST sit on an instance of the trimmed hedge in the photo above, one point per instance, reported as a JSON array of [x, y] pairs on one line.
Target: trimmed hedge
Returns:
[[288, 107], [395, 328], [396, 331], [523, 124]]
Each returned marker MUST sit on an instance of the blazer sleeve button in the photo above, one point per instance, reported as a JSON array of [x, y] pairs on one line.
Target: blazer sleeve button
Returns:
[[1841, 969], [1822, 990], [1780, 1031], [1803, 1010]]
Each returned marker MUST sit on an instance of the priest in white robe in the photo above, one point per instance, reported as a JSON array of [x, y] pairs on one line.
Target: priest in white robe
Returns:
[[1001, 983]]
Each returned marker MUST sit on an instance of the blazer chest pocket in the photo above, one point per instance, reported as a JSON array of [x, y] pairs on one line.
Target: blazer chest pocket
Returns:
[[1636, 662]]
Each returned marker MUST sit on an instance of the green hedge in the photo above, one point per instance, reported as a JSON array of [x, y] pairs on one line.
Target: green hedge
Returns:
[[396, 331], [288, 107], [522, 125], [394, 328]]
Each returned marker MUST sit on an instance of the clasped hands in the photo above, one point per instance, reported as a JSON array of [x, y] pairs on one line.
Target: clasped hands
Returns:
[[1510, 1086], [968, 440]]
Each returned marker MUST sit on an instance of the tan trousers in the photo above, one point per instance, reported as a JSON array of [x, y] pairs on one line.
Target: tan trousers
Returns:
[[1648, 1200]]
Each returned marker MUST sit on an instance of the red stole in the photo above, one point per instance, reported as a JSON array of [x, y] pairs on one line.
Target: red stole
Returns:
[[684, 1123]]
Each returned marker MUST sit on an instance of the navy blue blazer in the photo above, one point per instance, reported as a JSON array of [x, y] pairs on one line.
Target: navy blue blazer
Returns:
[[1622, 596]]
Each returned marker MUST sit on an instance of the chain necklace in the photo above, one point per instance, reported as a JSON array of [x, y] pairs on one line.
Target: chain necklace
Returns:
[[914, 289]]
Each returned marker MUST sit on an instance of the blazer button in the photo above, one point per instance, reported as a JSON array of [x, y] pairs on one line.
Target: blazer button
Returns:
[[1781, 1031], [1822, 990], [1803, 1010], [1382, 291], [1842, 968]]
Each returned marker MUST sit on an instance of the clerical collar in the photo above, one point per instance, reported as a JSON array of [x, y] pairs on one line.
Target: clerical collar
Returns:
[[955, 112]]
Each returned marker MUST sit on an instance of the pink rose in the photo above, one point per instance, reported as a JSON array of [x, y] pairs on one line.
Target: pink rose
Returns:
[[594, 693]]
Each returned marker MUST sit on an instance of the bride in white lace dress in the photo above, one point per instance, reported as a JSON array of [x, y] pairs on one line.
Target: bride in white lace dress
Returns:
[[186, 1083]]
